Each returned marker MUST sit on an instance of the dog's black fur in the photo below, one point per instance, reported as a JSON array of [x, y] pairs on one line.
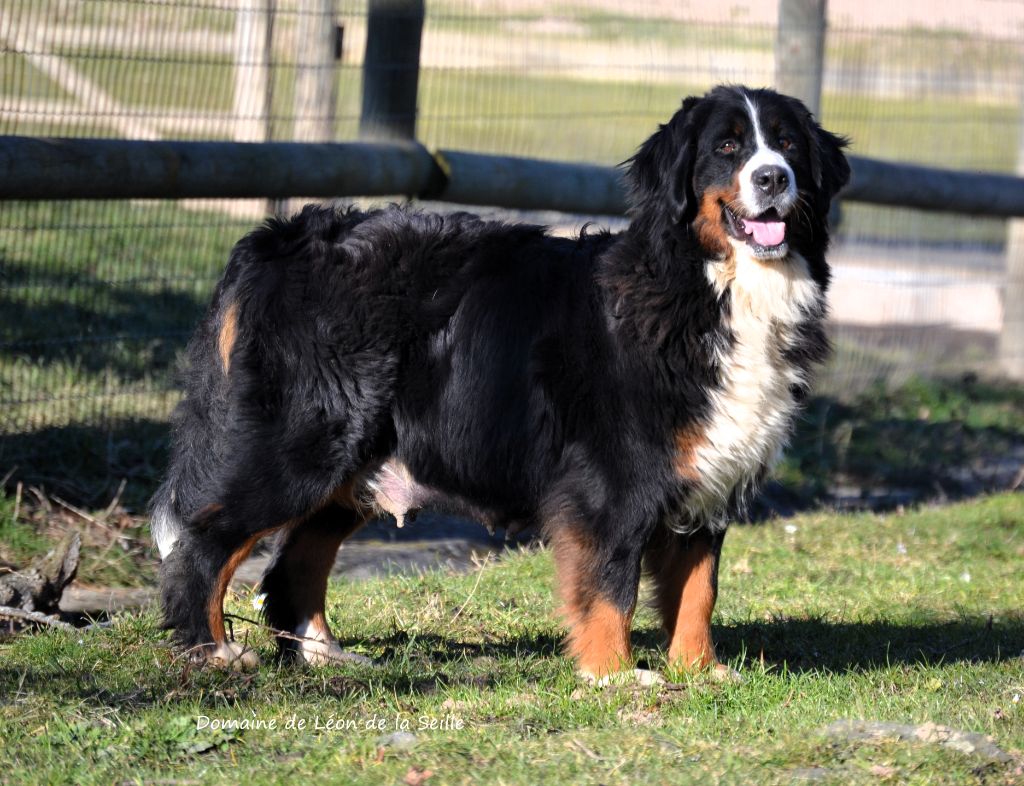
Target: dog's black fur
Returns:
[[522, 378]]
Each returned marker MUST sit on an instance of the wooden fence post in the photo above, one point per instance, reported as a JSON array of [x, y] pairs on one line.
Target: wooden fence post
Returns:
[[800, 50], [316, 92], [252, 71], [391, 69], [1011, 340]]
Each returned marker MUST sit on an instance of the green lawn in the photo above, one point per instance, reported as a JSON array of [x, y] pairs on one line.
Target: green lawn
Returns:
[[913, 618], [96, 302]]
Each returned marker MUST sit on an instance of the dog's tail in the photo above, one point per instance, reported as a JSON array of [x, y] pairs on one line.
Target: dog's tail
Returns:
[[165, 522], [197, 426], [192, 466]]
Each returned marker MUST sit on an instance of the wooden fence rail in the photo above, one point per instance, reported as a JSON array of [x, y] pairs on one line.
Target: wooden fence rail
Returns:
[[49, 168]]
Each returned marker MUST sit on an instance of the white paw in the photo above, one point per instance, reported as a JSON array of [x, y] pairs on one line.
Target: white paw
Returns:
[[722, 673], [233, 655], [642, 677], [328, 653]]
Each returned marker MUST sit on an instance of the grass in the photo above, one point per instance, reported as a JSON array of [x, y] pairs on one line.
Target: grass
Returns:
[[912, 618], [96, 302], [199, 15], [583, 22], [116, 550], [18, 77]]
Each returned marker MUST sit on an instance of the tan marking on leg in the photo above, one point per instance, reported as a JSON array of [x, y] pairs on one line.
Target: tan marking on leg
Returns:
[[215, 609], [318, 624], [308, 560], [316, 557], [599, 640], [688, 441], [228, 334], [598, 630], [686, 598]]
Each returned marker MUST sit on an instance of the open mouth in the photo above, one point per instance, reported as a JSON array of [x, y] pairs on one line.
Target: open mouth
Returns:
[[765, 235]]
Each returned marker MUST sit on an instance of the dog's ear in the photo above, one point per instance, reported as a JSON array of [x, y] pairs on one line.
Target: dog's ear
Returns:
[[830, 170], [834, 168], [660, 174]]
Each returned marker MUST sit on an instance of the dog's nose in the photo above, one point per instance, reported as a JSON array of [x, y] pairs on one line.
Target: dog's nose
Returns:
[[773, 180]]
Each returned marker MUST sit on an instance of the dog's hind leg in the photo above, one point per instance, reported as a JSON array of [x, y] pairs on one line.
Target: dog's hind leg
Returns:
[[295, 584], [194, 579]]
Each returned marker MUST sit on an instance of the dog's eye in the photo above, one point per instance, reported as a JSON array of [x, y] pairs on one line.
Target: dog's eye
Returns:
[[729, 146], [785, 142]]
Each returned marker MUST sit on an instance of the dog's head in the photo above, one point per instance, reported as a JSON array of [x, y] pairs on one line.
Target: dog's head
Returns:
[[747, 166]]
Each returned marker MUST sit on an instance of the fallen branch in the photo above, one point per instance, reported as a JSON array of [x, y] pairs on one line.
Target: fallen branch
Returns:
[[39, 586], [9, 612], [106, 600]]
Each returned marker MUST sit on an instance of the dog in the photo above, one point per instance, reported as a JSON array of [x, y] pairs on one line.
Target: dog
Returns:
[[623, 394]]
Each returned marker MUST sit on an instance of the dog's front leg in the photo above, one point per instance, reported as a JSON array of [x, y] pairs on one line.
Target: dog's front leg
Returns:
[[685, 573], [598, 580]]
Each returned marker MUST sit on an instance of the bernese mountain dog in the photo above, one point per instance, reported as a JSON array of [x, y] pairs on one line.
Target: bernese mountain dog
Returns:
[[621, 393]]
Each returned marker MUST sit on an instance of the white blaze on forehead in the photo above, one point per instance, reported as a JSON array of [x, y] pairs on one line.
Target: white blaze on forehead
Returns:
[[763, 156]]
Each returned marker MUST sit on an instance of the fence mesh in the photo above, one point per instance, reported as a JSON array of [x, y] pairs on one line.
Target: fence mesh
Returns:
[[98, 298]]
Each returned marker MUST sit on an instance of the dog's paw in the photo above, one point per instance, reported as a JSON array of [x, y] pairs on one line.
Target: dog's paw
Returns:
[[231, 655], [314, 652], [723, 673], [643, 678]]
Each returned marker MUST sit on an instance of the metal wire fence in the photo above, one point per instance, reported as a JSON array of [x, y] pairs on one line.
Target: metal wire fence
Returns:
[[98, 298]]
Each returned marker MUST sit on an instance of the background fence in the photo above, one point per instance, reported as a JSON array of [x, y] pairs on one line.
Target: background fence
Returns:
[[97, 298]]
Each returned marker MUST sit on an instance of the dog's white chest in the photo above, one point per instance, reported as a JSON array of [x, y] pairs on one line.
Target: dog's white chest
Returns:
[[753, 406]]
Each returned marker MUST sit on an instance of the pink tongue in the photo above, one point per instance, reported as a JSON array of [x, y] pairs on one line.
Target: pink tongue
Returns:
[[766, 233]]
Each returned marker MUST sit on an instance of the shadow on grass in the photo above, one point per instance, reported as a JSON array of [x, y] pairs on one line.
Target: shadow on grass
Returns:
[[423, 664], [798, 645], [929, 440], [85, 464], [133, 328], [435, 662], [802, 645]]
